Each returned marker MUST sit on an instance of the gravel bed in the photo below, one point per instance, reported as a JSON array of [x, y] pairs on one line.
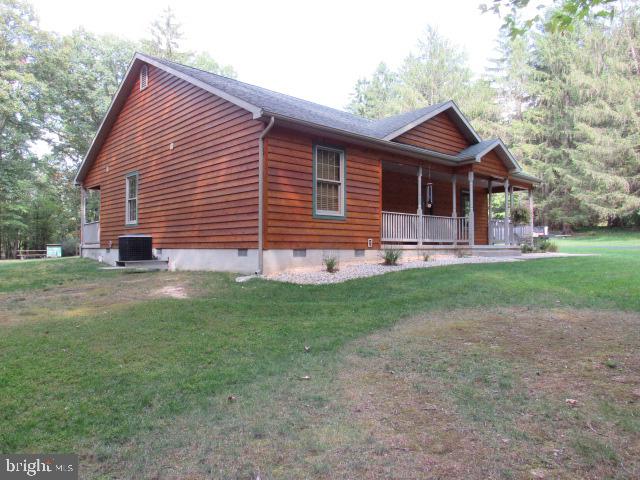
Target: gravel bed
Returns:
[[319, 276]]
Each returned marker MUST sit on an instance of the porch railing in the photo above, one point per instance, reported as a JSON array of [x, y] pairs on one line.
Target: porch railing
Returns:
[[91, 233], [403, 228], [516, 234], [497, 233]]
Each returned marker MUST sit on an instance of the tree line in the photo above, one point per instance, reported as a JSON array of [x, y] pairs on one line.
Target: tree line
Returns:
[[566, 101]]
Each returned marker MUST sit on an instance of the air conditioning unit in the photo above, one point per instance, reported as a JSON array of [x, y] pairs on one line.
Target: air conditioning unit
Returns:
[[134, 248]]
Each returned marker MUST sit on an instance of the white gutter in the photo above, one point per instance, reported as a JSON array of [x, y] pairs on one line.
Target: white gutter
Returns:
[[261, 193]]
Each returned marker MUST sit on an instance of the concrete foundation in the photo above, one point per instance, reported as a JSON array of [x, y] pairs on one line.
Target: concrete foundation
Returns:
[[219, 259], [246, 260]]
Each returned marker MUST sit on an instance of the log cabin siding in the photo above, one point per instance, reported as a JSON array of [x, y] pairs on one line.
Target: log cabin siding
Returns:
[[289, 199], [201, 194], [438, 133]]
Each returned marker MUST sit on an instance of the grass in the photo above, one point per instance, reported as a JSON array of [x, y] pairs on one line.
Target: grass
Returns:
[[149, 377]]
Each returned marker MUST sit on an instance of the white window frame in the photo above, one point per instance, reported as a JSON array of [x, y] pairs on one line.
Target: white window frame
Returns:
[[342, 183], [128, 198]]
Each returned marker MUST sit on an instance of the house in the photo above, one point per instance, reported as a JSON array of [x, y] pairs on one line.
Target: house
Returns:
[[224, 175]]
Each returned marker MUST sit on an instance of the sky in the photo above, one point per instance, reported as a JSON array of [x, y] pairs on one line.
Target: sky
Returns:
[[312, 50]]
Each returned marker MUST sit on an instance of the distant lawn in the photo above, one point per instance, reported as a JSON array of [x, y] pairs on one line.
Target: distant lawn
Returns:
[[123, 363], [17, 275]]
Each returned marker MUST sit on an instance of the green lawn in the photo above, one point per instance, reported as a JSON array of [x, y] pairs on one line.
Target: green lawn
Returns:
[[98, 381]]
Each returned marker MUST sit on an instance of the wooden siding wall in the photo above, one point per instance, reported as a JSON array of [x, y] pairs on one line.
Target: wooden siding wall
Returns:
[[438, 133], [289, 209], [400, 194], [481, 214], [491, 165], [201, 194]]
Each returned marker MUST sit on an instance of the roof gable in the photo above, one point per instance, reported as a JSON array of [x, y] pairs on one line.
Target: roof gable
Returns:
[[479, 150], [439, 133], [454, 113]]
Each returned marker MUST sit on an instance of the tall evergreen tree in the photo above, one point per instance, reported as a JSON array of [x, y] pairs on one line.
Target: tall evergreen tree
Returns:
[[378, 96], [437, 71]]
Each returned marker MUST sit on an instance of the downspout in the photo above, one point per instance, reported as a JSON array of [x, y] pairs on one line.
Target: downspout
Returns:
[[261, 193]]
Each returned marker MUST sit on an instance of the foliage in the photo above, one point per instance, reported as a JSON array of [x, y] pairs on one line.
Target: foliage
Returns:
[[520, 215], [331, 263], [527, 248], [565, 102], [165, 42], [437, 71], [545, 245], [391, 256], [565, 16]]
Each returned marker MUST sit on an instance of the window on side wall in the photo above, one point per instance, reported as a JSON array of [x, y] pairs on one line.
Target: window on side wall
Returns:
[[329, 181], [131, 199]]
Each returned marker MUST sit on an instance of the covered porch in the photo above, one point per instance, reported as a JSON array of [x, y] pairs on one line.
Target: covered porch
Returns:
[[431, 205]]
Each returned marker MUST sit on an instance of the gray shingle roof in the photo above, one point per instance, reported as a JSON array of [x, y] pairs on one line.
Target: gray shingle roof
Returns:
[[296, 108], [473, 150], [263, 102]]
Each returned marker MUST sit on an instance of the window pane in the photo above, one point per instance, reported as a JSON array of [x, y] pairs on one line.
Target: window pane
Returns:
[[132, 204], [327, 197], [133, 186], [328, 165], [92, 206]]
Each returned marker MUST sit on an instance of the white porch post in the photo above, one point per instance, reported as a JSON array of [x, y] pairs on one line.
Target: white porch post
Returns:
[[83, 214], [490, 214], [507, 212], [454, 198], [419, 226], [511, 236], [531, 214], [454, 213], [471, 212]]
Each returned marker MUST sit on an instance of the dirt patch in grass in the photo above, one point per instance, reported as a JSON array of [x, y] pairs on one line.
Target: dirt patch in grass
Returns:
[[77, 299], [462, 394], [477, 394], [172, 291]]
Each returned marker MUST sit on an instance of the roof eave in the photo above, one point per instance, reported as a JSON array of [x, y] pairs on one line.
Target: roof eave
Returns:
[[526, 177]]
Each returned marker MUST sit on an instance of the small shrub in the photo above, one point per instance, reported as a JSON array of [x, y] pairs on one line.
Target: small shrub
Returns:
[[526, 248], [331, 264], [547, 246], [70, 246], [390, 256], [426, 257]]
